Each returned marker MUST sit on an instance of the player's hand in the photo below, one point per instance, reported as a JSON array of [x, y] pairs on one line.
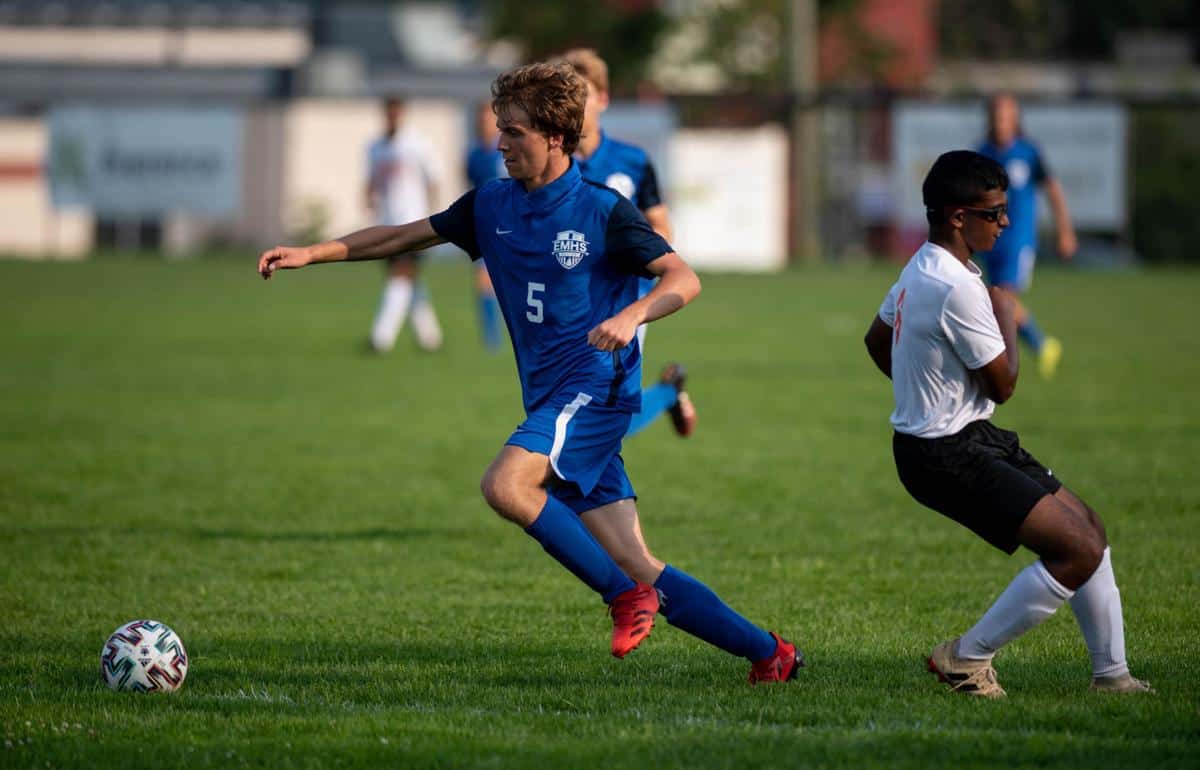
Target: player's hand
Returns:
[[1068, 244], [613, 334], [285, 257]]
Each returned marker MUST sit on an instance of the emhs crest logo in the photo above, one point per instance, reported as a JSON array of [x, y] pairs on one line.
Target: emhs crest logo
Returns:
[[622, 183], [570, 248]]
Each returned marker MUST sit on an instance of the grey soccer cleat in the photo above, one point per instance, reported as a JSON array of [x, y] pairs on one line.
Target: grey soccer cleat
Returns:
[[1124, 683], [972, 677]]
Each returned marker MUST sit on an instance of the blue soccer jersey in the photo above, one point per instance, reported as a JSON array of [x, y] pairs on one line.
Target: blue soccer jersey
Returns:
[[1026, 170], [485, 163], [563, 259], [627, 169]]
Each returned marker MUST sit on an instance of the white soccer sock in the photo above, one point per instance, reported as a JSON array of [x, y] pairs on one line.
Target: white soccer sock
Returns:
[[1097, 606], [1030, 598], [393, 309], [424, 319]]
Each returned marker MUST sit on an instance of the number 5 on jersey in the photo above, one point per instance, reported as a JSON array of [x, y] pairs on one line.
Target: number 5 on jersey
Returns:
[[535, 315]]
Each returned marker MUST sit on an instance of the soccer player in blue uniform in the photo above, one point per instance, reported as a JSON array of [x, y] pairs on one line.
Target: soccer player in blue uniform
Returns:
[[485, 163], [565, 256], [628, 170], [1010, 263]]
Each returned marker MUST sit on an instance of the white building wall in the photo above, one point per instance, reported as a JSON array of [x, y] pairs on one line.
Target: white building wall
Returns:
[[325, 157], [728, 198], [29, 226]]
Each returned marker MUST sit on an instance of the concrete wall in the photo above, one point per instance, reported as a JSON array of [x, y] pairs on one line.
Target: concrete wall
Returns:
[[325, 158], [728, 198], [304, 175], [28, 224], [154, 46]]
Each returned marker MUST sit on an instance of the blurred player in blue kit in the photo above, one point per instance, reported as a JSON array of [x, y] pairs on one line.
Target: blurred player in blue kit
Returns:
[[1010, 262], [565, 256], [485, 163], [628, 170]]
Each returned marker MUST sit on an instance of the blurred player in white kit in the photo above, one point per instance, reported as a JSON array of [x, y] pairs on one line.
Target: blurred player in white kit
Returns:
[[402, 187]]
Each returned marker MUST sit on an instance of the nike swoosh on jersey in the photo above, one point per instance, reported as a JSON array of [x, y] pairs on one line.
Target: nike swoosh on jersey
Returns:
[[502, 232]]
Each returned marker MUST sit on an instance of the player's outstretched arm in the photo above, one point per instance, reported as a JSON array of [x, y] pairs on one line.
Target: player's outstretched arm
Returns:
[[1067, 242], [371, 243], [879, 345], [660, 220], [677, 285]]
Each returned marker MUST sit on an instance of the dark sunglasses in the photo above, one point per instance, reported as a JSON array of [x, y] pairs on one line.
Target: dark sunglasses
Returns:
[[993, 214]]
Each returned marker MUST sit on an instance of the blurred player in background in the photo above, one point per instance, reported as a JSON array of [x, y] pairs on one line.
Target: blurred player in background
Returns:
[[485, 163], [401, 187], [949, 345], [565, 255], [1010, 263], [628, 170]]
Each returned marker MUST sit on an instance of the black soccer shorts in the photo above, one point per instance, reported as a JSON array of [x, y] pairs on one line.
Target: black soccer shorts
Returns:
[[980, 477]]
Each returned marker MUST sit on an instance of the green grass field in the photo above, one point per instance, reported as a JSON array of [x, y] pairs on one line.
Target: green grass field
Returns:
[[186, 443]]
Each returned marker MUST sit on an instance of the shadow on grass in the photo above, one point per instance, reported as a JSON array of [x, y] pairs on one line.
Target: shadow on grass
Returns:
[[375, 533], [237, 533], [671, 704]]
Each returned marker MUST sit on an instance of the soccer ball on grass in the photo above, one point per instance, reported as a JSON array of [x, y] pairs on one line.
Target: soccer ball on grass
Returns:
[[143, 656]]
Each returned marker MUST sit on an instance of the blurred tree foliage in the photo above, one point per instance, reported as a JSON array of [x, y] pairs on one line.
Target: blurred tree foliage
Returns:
[[1056, 29], [745, 39], [1164, 161], [748, 40], [625, 32]]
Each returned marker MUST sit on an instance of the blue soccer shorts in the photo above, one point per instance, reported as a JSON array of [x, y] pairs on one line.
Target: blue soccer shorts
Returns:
[[1012, 269], [582, 438]]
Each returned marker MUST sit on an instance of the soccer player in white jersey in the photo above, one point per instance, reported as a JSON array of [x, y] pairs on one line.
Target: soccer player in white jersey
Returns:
[[949, 345], [401, 187]]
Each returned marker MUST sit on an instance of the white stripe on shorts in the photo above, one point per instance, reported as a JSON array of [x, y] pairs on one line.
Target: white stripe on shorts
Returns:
[[560, 429]]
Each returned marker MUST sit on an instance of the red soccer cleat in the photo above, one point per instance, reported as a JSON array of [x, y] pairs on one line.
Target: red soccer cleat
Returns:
[[633, 617], [683, 413], [781, 666]]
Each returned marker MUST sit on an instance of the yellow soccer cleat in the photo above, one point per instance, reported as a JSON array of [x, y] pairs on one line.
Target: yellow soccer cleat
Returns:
[[1048, 357]]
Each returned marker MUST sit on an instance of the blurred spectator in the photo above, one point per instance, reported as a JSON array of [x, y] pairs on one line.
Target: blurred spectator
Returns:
[[401, 188]]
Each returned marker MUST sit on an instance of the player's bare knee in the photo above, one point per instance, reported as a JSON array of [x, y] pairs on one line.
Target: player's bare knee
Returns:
[[1091, 552], [1074, 567], [1098, 528], [500, 491], [512, 497]]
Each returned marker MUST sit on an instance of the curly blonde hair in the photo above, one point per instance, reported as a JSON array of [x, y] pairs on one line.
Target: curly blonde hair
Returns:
[[552, 94]]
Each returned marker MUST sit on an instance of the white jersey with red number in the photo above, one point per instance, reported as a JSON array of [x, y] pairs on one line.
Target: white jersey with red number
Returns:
[[943, 328], [400, 169]]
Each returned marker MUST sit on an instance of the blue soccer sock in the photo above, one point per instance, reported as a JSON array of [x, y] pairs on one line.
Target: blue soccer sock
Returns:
[[1031, 334], [565, 538], [691, 606], [656, 399], [489, 320]]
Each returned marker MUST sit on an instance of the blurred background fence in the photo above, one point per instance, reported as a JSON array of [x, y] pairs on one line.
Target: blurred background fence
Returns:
[[785, 130]]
